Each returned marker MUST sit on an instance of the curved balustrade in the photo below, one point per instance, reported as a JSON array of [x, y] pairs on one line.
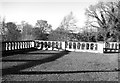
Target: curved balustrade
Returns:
[[16, 45], [111, 47], [83, 47], [49, 45], [94, 47], [71, 46], [61, 45]]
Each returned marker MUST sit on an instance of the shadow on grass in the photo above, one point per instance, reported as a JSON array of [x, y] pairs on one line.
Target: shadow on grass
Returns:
[[16, 69], [38, 58], [61, 72], [20, 51]]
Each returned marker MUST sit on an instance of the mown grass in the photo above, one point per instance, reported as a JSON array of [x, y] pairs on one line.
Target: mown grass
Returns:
[[71, 67]]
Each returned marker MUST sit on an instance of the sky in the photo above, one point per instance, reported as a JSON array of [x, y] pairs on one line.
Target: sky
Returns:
[[52, 11]]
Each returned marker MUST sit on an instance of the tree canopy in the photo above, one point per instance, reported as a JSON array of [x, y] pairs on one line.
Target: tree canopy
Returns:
[[27, 31], [65, 30], [102, 24], [12, 33], [105, 17], [41, 30], [68, 22]]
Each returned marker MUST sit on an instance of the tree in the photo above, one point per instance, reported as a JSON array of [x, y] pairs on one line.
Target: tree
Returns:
[[69, 22], [3, 29], [41, 30], [65, 31], [104, 18], [12, 34], [38, 35], [27, 32], [43, 26], [86, 36], [58, 35]]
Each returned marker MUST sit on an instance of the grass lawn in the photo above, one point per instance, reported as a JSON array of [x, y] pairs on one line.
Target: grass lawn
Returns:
[[70, 67]]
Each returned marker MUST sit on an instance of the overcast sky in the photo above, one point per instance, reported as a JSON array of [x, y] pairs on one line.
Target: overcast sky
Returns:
[[51, 10]]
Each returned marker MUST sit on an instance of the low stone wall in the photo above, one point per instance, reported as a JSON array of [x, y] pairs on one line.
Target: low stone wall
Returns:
[[17, 45], [85, 47], [111, 47], [49, 45], [94, 47]]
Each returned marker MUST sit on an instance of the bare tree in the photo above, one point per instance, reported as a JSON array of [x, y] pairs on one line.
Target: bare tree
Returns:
[[104, 18], [68, 22]]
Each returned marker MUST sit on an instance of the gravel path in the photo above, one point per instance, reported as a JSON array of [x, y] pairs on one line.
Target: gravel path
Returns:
[[74, 66]]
